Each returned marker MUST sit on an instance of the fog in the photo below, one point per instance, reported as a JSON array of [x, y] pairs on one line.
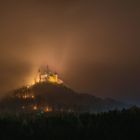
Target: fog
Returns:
[[93, 45]]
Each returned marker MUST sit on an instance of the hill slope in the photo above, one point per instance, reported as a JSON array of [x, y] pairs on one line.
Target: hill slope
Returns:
[[52, 97]]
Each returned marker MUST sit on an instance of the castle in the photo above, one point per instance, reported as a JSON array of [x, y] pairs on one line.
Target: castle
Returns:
[[46, 75]]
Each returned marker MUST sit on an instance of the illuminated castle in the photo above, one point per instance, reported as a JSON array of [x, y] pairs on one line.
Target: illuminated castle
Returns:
[[46, 75]]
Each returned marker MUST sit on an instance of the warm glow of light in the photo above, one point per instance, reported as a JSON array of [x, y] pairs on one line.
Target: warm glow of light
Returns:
[[33, 96], [52, 79], [48, 109], [26, 96], [37, 80], [32, 82], [35, 107]]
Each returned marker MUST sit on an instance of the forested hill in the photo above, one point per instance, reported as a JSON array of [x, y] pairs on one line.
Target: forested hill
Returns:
[[52, 97]]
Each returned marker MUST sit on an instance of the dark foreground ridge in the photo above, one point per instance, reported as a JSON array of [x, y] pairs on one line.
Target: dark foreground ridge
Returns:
[[48, 97], [114, 125]]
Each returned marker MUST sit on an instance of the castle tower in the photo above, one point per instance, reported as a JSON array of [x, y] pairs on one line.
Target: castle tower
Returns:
[[46, 75]]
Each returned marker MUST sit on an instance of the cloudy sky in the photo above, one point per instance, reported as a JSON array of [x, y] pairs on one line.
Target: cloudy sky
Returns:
[[93, 44]]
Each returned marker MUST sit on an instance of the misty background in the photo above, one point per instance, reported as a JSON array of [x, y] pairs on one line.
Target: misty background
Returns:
[[93, 45]]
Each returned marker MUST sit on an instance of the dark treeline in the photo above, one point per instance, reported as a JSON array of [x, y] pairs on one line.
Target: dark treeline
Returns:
[[114, 125]]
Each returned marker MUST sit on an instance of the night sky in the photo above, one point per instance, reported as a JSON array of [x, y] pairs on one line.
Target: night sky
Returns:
[[93, 45]]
